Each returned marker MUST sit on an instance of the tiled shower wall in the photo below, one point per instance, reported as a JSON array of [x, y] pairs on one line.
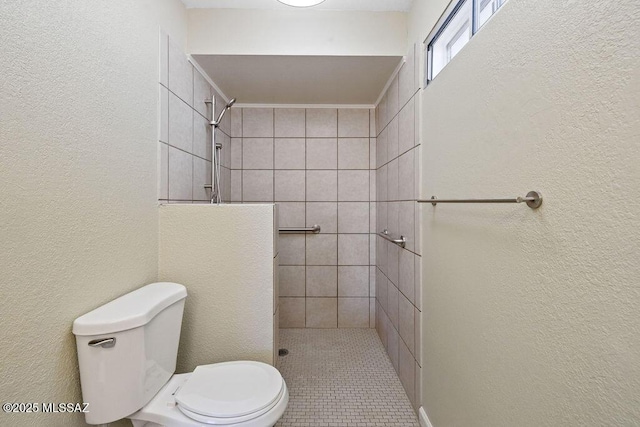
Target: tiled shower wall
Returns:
[[184, 149], [398, 269], [318, 165]]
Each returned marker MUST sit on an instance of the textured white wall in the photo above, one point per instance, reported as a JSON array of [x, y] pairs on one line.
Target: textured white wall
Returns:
[[296, 32], [224, 256], [77, 179], [531, 317]]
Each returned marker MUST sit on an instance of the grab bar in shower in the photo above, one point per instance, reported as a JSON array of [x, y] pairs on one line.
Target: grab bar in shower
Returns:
[[533, 199], [290, 230], [401, 241]]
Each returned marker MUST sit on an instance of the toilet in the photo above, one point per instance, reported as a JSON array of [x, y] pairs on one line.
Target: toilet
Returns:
[[127, 352]]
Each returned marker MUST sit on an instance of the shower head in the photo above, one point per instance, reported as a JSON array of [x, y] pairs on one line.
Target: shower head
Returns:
[[216, 122]]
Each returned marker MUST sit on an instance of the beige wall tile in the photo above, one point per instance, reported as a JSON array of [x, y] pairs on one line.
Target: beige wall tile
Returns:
[[290, 153], [322, 312], [381, 253], [202, 137], [163, 171], [353, 217], [236, 122], [417, 336], [418, 390], [392, 139], [353, 122], [322, 123], [372, 280], [292, 281], [418, 282], [393, 255], [322, 281], [406, 274], [373, 218], [321, 249], [406, 370], [163, 131], [382, 184], [289, 122], [236, 153], [257, 186], [372, 153], [372, 123], [406, 127], [225, 153], [372, 313], [292, 249], [202, 92], [382, 291], [290, 185], [324, 214], [236, 186], [201, 177], [353, 153], [392, 99], [381, 111], [353, 281], [353, 186], [392, 346], [406, 223], [322, 153], [257, 153], [180, 73], [353, 249], [392, 305], [291, 214], [257, 122], [372, 249], [392, 180], [392, 217], [353, 312], [180, 175], [381, 148], [406, 322], [292, 312], [180, 124], [406, 176], [322, 186]]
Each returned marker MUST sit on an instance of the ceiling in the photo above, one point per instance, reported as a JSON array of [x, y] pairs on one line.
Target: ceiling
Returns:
[[370, 5], [274, 79]]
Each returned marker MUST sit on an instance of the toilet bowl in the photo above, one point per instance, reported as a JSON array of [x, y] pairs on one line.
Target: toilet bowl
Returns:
[[257, 398], [127, 351]]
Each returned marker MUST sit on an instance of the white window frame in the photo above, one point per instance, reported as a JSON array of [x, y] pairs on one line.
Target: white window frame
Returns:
[[441, 26]]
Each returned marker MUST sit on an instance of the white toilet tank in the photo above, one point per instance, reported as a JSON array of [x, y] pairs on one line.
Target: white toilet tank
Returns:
[[127, 350]]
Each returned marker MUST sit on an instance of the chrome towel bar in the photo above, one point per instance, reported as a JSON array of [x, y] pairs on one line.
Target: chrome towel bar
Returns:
[[533, 199], [289, 230], [401, 241]]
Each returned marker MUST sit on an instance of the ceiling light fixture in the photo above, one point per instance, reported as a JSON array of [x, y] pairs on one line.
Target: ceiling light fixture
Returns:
[[301, 3]]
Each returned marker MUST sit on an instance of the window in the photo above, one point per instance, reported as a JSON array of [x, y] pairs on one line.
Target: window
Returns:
[[459, 23]]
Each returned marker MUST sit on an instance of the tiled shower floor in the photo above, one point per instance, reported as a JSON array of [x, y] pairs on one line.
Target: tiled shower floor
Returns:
[[341, 377]]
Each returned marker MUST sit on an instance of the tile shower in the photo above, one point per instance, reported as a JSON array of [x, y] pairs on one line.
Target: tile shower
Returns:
[[355, 172], [184, 148], [318, 164], [398, 269]]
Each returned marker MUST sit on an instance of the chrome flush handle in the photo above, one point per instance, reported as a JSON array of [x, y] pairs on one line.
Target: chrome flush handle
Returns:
[[103, 342]]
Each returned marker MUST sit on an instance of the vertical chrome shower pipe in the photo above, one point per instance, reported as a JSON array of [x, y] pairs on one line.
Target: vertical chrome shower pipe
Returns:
[[216, 197]]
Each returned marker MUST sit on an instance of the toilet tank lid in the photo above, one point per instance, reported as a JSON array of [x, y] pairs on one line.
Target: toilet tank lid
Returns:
[[131, 310]]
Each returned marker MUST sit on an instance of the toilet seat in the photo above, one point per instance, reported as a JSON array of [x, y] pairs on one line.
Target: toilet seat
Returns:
[[230, 392]]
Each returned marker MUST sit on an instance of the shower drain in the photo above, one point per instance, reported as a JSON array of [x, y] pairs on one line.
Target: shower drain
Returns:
[[283, 352]]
